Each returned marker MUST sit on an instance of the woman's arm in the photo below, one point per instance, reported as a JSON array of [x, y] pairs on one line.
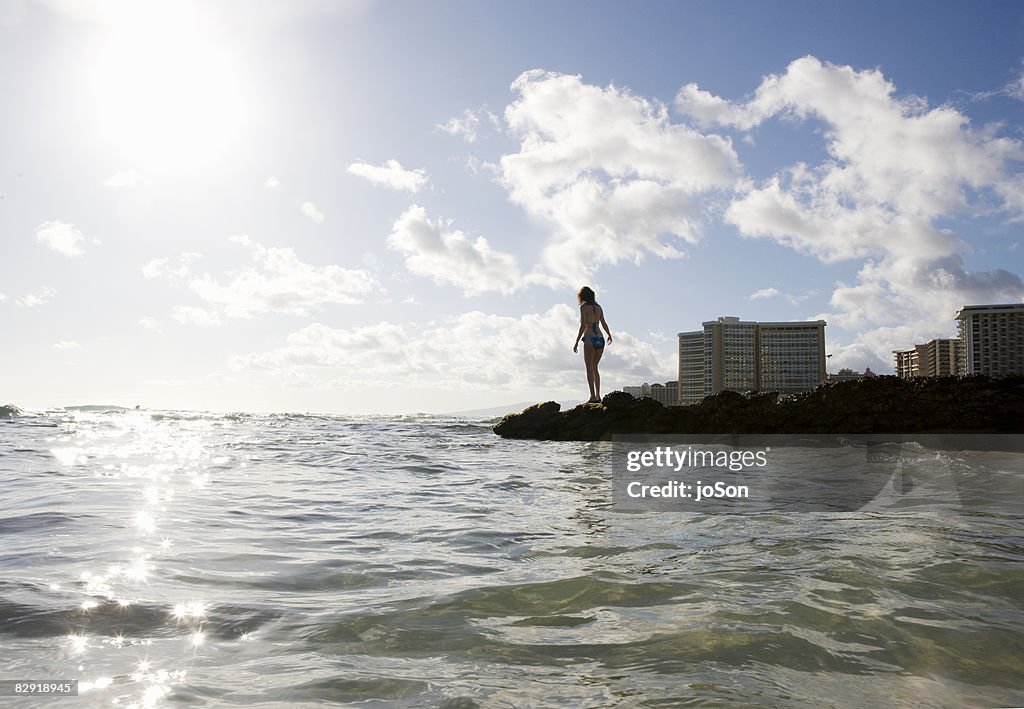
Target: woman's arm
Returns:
[[605, 326], [583, 326]]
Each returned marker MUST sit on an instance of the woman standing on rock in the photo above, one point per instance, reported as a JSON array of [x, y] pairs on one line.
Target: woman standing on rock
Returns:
[[591, 314]]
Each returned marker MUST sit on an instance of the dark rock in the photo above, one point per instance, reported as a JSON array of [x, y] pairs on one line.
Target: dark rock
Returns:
[[973, 404], [533, 422], [9, 411], [618, 400]]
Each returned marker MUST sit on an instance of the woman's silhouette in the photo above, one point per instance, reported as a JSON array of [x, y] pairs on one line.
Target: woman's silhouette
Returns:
[[591, 314]]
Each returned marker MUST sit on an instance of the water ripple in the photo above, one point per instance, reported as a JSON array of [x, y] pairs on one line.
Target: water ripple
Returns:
[[241, 559]]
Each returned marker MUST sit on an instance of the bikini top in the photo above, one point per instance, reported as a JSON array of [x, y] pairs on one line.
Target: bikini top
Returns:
[[595, 306]]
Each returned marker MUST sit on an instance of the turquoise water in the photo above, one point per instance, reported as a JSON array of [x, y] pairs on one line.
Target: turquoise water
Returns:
[[187, 559]]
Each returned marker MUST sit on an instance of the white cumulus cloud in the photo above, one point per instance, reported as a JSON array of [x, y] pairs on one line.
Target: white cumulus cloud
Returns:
[[280, 282], [31, 300], [895, 168], [66, 345], [61, 237], [710, 110], [163, 268], [454, 354], [435, 250], [609, 171], [764, 293], [391, 174]]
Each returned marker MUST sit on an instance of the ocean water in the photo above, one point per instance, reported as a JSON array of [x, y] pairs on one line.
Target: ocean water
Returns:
[[189, 559]]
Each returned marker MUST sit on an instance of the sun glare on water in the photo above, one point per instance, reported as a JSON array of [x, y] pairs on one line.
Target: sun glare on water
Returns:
[[166, 86]]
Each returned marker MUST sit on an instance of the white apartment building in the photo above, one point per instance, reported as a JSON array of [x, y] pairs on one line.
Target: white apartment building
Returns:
[[908, 362], [791, 356], [935, 358], [691, 367], [991, 339], [739, 355], [667, 393], [943, 356]]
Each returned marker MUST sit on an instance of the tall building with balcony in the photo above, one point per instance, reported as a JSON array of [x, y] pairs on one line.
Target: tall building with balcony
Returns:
[[908, 362], [730, 355], [691, 367], [942, 357], [739, 355], [791, 356], [991, 339], [935, 358]]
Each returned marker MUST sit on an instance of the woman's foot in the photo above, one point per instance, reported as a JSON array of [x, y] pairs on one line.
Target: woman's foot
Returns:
[[592, 400]]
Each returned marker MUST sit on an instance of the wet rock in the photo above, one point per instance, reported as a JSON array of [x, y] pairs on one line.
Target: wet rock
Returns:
[[533, 422], [974, 404]]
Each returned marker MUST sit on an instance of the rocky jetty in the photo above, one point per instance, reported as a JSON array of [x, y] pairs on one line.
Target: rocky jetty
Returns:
[[972, 404], [9, 411]]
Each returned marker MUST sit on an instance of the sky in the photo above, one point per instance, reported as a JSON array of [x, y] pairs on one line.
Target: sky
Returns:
[[388, 207]]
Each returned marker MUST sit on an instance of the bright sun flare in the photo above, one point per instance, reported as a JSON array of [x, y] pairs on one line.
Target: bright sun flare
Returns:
[[167, 93]]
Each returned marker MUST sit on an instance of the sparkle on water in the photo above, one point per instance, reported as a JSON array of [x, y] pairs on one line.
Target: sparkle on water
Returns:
[[209, 559]]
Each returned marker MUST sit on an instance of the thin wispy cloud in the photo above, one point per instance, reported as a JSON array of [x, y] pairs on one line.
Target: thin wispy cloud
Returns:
[[311, 211], [191, 315], [797, 298], [764, 293], [126, 178], [148, 322], [1015, 89], [278, 282], [467, 126], [391, 175], [32, 300], [181, 268]]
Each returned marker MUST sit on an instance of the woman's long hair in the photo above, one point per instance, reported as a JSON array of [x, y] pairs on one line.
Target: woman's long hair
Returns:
[[586, 295]]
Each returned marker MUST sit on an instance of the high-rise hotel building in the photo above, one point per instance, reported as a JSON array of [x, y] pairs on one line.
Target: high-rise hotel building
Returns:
[[908, 362], [691, 367], [936, 358], [738, 355], [991, 339]]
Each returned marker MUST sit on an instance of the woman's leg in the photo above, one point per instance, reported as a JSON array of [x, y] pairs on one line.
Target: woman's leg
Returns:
[[588, 360], [597, 375]]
